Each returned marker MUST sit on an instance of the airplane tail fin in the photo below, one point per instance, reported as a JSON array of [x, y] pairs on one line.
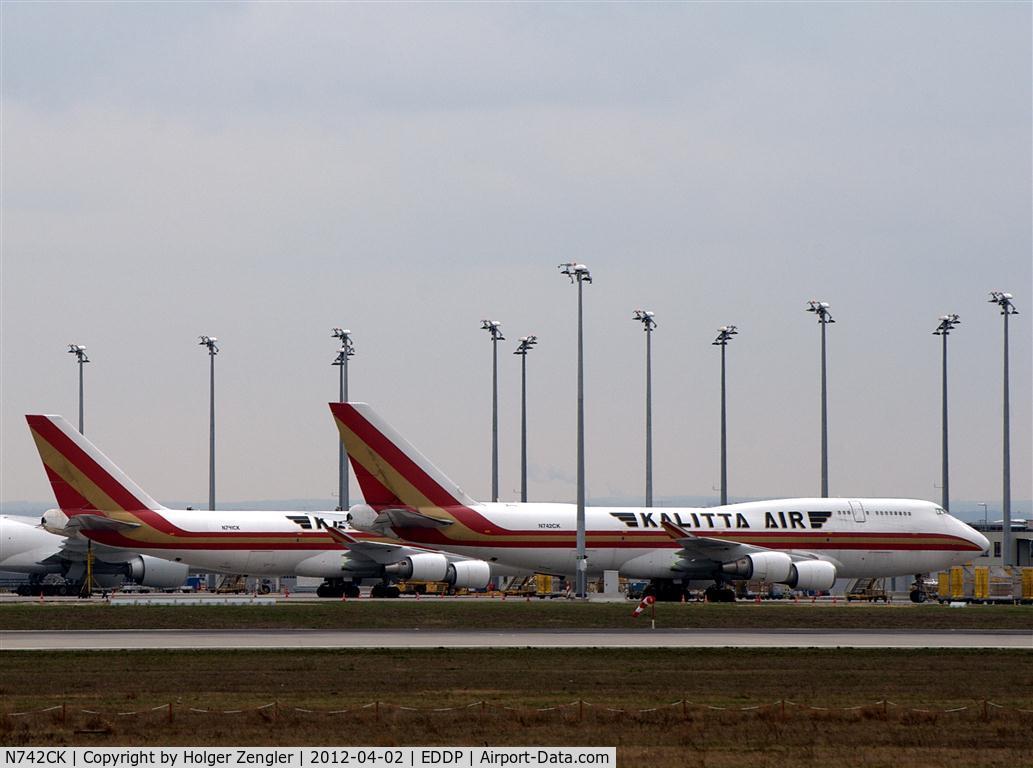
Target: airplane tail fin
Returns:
[[85, 481], [390, 471]]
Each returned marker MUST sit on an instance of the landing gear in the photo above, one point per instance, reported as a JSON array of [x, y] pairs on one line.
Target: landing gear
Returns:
[[918, 592], [667, 591], [337, 588], [716, 593], [384, 590]]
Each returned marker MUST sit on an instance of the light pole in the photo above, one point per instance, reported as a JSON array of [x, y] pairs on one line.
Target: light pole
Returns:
[[80, 355], [494, 327], [347, 350], [525, 346], [947, 323], [209, 341], [579, 273], [821, 309], [648, 324], [724, 335], [1003, 300]]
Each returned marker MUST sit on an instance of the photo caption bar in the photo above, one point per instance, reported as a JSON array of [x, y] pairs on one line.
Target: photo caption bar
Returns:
[[308, 757]]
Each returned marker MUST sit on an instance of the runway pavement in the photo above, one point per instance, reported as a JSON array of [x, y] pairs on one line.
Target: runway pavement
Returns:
[[410, 638]]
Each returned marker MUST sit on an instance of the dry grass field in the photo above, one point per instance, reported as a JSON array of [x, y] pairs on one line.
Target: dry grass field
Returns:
[[816, 730], [489, 613]]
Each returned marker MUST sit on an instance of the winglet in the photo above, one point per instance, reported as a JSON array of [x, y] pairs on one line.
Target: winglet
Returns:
[[677, 532], [341, 537]]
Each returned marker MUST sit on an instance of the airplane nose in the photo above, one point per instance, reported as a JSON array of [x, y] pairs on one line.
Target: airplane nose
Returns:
[[971, 534], [979, 539]]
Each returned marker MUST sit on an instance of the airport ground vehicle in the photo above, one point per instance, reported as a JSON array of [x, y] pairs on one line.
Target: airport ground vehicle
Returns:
[[870, 590]]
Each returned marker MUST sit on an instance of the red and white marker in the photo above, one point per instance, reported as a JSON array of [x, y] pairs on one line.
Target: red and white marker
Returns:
[[647, 601]]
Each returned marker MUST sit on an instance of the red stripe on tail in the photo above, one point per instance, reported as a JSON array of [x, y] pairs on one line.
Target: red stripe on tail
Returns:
[[373, 491], [69, 499], [84, 463], [393, 455]]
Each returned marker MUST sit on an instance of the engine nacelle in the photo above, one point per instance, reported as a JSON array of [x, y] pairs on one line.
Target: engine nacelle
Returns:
[[812, 574], [55, 521], [361, 517], [425, 566], [471, 574], [762, 566], [158, 573]]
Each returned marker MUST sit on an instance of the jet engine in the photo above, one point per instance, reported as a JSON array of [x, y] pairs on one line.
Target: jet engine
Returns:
[[471, 574], [155, 572], [762, 566], [426, 566], [361, 517], [55, 521], [812, 574]]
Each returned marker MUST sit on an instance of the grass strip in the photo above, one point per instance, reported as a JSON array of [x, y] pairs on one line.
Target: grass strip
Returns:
[[486, 613]]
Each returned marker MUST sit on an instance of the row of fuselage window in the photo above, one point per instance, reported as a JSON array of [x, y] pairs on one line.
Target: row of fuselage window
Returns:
[[894, 512]]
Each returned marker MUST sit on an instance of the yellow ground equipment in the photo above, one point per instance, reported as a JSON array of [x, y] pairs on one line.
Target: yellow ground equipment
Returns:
[[871, 590]]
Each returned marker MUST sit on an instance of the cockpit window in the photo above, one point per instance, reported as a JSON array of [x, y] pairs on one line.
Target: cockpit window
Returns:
[[941, 511]]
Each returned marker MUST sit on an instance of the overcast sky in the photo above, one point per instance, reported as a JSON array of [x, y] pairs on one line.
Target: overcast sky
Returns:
[[263, 172]]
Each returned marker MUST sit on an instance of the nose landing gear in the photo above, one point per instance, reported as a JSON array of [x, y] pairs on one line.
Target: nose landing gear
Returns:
[[918, 594]]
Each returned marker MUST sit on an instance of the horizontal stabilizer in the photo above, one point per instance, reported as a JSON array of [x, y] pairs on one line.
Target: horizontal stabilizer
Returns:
[[411, 518], [99, 523]]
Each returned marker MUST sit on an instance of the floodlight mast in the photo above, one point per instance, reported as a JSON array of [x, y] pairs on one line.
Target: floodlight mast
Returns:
[[946, 325], [821, 310], [1004, 301], [645, 317], [525, 346], [494, 328], [80, 355], [724, 335], [579, 273], [347, 350], [209, 341]]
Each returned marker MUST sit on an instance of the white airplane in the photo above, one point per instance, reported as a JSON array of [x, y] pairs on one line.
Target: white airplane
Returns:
[[98, 501], [32, 550], [804, 543]]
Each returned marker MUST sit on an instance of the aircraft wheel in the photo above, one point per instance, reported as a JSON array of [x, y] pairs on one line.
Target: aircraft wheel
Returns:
[[918, 596], [351, 590]]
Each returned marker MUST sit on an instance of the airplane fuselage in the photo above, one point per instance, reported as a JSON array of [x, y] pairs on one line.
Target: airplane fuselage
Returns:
[[866, 537], [259, 543]]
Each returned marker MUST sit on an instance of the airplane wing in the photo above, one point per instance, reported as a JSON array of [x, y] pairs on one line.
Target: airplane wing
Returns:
[[74, 548], [380, 552], [708, 548]]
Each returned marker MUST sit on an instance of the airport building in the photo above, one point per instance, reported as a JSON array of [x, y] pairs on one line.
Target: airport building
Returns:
[[1022, 540]]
